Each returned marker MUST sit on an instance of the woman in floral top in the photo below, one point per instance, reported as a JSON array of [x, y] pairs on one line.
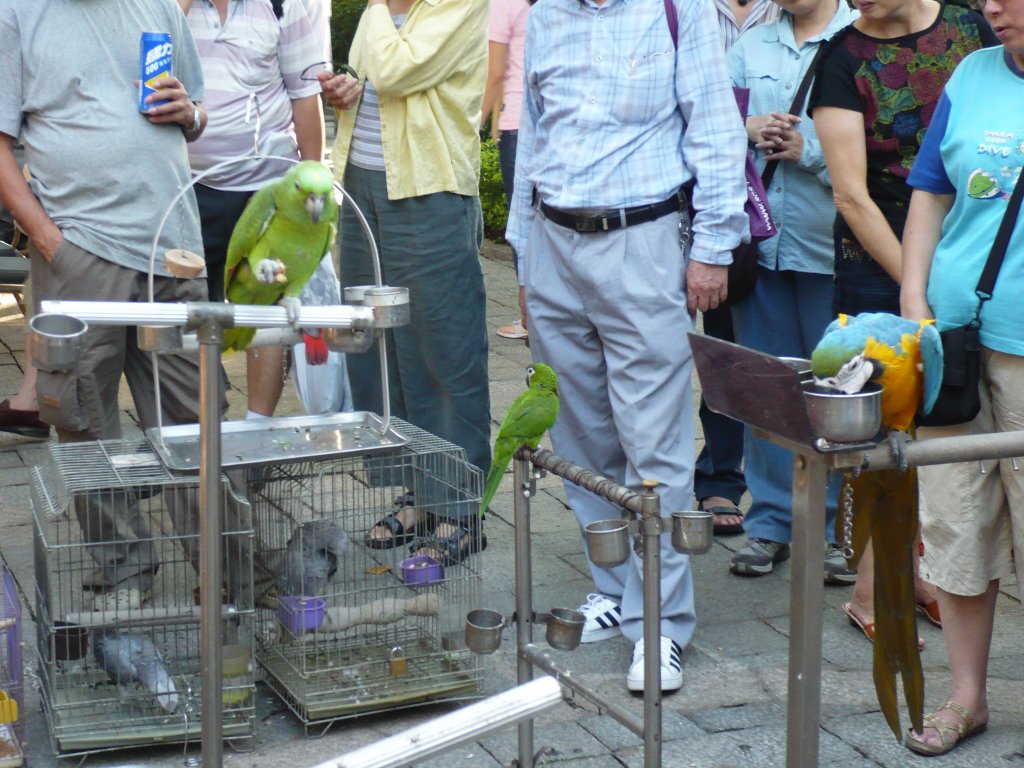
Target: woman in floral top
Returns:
[[874, 95]]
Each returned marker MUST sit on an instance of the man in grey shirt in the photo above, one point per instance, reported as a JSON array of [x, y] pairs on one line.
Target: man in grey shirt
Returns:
[[103, 175]]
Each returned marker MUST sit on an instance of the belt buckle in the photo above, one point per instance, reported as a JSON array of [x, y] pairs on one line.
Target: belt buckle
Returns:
[[584, 224]]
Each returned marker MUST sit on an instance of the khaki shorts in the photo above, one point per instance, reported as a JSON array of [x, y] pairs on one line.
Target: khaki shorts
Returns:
[[973, 521]]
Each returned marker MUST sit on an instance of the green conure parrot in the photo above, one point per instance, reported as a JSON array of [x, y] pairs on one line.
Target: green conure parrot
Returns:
[[526, 420], [280, 238], [905, 358]]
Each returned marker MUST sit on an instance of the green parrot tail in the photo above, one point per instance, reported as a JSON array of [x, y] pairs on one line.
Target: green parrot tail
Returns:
[[502, 457], [237, 339]]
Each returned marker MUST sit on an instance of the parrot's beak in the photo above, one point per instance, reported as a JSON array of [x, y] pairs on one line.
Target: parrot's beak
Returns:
[[315, 207]]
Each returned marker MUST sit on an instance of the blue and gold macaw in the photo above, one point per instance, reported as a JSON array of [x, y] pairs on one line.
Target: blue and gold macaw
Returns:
[[905, 358]]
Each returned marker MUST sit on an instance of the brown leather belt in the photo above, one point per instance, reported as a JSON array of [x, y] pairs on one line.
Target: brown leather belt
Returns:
[[611, 219]]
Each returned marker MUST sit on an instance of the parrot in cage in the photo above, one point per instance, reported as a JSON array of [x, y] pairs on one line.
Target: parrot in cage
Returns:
[[280, 238], [312, 560], [129, 658], [905, 358], [526, 420]]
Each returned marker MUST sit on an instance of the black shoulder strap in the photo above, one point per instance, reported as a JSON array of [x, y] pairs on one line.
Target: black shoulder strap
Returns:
[[796, 108], [995, 256]]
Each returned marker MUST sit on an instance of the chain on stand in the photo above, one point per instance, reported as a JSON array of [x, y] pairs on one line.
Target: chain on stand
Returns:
[[846, 510]]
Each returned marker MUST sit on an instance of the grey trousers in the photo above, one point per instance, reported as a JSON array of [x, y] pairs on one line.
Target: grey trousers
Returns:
[[608, 312]]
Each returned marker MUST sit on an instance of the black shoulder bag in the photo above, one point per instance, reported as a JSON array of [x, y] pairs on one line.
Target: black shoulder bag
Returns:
[[959, 398]]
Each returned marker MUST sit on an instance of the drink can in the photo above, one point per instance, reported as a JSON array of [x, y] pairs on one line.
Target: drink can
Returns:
[[155, 52]]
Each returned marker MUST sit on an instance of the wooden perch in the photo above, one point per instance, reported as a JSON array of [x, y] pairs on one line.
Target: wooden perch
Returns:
[[387, 610]]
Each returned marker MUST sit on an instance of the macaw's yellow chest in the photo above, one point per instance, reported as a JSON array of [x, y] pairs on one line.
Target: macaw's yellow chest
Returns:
[[901, 379]]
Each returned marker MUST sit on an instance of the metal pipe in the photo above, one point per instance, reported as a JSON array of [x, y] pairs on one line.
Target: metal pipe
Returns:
[[522, 483], [434, 736], [947, 450], [211, 335], [139, 313], [585, 478], [805, 597], [540, 658], [650, 524]]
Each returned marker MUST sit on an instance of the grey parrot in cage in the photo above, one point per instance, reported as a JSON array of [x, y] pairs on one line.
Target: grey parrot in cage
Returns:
[[313, 552], [127, 658]]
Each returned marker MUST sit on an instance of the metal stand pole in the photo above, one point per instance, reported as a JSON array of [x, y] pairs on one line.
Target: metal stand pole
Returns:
[[805, 596], [210, 629], [523, 485], [650, 526]]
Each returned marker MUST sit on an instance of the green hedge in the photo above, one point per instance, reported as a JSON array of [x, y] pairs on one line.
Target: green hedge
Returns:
[[344, 19]]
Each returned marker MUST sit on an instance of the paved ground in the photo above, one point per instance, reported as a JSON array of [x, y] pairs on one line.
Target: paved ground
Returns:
[[731, 709]]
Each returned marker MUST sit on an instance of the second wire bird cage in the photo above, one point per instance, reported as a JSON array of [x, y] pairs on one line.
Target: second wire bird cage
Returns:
[[346, 627]]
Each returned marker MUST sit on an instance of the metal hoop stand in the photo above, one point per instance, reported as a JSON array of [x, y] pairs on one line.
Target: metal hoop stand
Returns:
[[208, 320]]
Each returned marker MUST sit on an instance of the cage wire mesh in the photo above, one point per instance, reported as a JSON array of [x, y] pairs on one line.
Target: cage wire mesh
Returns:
[[12, 677], [342, 627], [116, 563]]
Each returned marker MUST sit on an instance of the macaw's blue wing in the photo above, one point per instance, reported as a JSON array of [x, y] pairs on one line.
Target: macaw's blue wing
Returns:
[[930, 344]]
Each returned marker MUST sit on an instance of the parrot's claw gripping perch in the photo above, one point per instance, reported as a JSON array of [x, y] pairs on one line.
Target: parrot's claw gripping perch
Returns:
[[291, 305], [898, 440], [270, 271]]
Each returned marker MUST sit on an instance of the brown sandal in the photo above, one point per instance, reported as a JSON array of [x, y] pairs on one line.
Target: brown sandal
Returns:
[[959, 731]]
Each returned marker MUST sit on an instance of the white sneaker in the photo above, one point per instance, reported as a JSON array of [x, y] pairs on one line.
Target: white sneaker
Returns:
[[513, 330], [671, 666], [603, 618]]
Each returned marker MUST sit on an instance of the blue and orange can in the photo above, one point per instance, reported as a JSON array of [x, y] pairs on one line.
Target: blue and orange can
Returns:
[[155, 57]]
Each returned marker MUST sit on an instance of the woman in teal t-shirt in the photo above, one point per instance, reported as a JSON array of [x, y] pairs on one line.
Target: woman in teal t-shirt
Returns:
[[973, 523]]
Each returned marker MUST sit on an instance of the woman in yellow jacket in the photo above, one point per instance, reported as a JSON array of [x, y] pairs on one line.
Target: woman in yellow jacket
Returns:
[[408, 152]]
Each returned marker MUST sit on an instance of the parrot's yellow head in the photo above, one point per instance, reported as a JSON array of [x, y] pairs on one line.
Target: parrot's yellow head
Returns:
[[314, 185]]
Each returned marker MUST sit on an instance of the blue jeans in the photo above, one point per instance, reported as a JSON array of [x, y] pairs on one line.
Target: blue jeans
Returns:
[[507, 161], [718, 472], [786, 315]]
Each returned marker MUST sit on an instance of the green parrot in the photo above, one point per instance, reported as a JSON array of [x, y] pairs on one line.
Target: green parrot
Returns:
[[526, 420], [905, 358], [280, 238]]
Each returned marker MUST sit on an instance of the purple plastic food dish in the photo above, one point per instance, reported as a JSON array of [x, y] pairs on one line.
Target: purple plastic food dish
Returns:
[[422, 570], [301, 614]]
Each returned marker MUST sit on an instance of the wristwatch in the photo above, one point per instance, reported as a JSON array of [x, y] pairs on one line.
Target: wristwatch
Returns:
[[197, 122]]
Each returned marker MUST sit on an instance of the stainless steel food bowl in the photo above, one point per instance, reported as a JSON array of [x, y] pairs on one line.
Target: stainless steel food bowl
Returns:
[[565, 628], [607, 542], [799, 364], [841, 418], [56, 341], [693, 531]]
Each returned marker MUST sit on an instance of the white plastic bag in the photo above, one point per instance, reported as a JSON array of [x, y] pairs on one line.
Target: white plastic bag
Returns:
[[322, 388]]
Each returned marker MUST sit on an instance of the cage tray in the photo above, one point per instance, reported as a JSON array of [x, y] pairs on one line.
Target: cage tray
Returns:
[[257, 442]]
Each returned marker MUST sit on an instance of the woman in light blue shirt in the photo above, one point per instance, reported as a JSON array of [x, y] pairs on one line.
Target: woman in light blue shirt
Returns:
[[792, 304]]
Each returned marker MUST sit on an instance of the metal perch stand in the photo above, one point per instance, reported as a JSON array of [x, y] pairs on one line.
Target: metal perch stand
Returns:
[[209, 321], [765, 393]]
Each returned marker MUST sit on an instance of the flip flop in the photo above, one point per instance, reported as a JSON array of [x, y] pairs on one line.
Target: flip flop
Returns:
[[960, 731], [868, 627], [724, 529], [930, 611]]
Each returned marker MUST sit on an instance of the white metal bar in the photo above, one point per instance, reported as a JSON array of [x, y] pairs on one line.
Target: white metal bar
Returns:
[[249, 316], [442, 733]]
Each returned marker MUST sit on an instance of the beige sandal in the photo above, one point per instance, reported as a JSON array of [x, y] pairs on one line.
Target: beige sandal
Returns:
[[959, 731]]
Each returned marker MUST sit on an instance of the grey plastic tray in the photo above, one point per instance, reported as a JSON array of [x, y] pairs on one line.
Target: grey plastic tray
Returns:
[[282, 440]]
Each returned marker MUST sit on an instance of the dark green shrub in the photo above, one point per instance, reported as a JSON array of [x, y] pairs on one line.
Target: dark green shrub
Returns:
[[344, 19], [492, 194]]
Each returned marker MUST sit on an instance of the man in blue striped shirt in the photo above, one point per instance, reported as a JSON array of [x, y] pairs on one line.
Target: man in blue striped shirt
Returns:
[[617, 116]]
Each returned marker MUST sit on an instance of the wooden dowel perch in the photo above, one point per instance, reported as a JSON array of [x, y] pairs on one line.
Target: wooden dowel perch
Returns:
[[387, 610]]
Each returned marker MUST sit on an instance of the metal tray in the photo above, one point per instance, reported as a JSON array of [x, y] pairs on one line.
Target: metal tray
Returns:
[[256, 442]]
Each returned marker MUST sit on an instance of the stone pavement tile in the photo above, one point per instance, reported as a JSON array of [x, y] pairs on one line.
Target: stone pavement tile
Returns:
[[738, 716], [1000, 745], [714, 687], [708, 751], [766, 746], [558, 742], [1010, 667], [616, 737]]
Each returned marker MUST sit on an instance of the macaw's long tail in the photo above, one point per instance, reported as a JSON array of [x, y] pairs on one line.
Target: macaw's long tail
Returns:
[[503, 450], [237, 339], [886, 502]]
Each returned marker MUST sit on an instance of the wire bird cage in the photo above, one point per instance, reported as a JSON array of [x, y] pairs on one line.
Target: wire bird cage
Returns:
[[12, 677], [371, 635], [117, 596]]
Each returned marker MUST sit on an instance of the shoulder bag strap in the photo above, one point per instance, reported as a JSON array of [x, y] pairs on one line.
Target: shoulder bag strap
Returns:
[[796, 107], [995, 256]]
